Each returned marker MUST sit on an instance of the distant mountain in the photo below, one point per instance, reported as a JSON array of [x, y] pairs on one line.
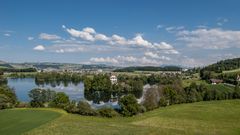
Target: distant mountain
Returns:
[[4, 64], [54, 66], [148, 68]]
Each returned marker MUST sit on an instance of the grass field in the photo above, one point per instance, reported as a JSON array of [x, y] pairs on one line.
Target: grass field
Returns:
[[18, 121], [221, 87], [215, 117], [232, 71]]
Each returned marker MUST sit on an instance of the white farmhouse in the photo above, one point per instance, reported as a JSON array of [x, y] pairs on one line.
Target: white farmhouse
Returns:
[[113, 79], [238, 78]]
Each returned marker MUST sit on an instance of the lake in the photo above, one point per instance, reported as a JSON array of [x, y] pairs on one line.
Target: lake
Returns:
[[75, 92]]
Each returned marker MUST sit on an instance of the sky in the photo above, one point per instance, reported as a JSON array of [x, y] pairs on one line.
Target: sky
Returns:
[[189, 33]]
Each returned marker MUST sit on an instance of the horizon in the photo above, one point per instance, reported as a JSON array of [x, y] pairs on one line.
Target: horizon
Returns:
[[120, 33]]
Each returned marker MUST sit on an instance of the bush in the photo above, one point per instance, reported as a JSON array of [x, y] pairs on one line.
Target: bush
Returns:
[[85, 109], [22, 105], [8, 97], [60, 100], [71, 107], [163, 102], [129, 105], [107, 112]]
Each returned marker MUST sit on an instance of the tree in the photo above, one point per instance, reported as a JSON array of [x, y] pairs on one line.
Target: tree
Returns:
[[170, 94], [37, 97], [151, 99], [129, 105], [40, 96], [60, 100], [8, 97]]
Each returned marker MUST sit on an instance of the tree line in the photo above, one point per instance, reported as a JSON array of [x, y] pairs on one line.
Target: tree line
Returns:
[[164, 95]]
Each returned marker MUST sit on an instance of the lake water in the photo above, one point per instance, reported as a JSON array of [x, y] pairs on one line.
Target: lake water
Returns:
[[75, 91]]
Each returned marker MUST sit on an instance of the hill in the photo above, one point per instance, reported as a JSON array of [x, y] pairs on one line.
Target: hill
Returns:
[[223, 65], [148, 68], [11, 67], [214, 117]]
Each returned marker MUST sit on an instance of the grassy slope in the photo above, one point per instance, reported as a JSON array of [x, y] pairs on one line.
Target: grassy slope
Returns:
[[232, 71], [17, 121], [215, 117], [221, 87]]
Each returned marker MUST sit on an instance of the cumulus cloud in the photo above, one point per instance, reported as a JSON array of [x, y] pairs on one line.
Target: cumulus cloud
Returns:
[[156, 56], [126, 60], [210, 38], [89, 30], [91, 35], [46, 36], [66, 48], [81, 34], [39, 48], [101, 37], [104, 60]]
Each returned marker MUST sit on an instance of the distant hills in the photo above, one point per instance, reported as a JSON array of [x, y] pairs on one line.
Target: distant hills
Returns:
[[224, 65], [4, 64], [52, 66], [149, 68]]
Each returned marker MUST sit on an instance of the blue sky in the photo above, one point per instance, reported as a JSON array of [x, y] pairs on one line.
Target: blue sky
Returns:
[[120, 32]]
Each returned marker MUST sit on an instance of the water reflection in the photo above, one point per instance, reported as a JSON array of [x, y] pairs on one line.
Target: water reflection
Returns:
[[75, 91]]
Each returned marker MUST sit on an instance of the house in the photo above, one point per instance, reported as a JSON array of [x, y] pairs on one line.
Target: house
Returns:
[[238, 78], [113, 79], [216, 81]]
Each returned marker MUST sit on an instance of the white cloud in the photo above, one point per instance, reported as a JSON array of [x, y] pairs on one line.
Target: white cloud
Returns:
[[46, 36], [66, 48], [174, 28], [39, 48], [101, 37], [104, 60], [126, 61], [163, 46], [63, 26], [91, 35], [30, 38], [210, 38], [172, 51], [81, 34], [89, 30], [156, 56]]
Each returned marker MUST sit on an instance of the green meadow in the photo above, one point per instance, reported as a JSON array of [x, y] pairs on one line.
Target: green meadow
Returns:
[[213, 117]]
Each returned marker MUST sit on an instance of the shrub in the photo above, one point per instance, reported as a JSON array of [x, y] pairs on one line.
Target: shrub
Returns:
[[22, 105], [8, 97], [85, 109], [163, 102], [71, 107], [107, 112], [129, 105], [60, 100]]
